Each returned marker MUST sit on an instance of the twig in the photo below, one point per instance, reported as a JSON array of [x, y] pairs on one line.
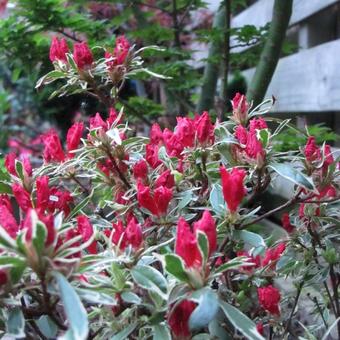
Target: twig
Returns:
[[73, 37], [299, 290], [292, 201]]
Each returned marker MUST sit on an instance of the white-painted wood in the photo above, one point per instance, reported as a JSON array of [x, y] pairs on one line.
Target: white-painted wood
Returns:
[[308, 81], [261, 12]]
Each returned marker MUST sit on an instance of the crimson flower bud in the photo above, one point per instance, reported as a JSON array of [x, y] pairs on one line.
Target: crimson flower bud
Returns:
[[140, 170], [312, 151], [10, 163], [285, 221], [97, 122], [74, 134], [151, 155], [165, 179], [204, 129], [53, 150], [58, 50], [22, 197], [157, 202], [3, 277], [178, 318], [173, 145], [7, 219], [185, 131], [186, 245], [269, 299], [208, 226], [259, 328], [133, 233], [240, 108], [257, 124], [121, 50], [156, 134], [85, 229], [272, 255], [82, 55], [43, 192], [233, 187], [241, 134]]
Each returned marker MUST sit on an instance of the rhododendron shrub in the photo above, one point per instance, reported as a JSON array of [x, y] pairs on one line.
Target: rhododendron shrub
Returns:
[[163, 236]]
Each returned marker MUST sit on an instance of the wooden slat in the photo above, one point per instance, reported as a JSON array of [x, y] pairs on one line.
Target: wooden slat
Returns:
[[308, 81], [260, 13]]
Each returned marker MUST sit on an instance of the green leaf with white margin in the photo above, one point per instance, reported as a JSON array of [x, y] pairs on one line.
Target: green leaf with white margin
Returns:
[[241, 322], [6, 241], [161, 332], [47, 326], [19, 169], [250, 238], [289, 172], [39, 235], [174, 265], [263, 136], [150, 279], [130, 297], [15, 324], [73, 307], [235, 263], [96, 297], [16, 267], [203, 245], [206, 310], [216, 200], [123, 335]]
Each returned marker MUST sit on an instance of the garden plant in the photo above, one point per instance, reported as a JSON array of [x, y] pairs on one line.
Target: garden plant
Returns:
[[121, 236]]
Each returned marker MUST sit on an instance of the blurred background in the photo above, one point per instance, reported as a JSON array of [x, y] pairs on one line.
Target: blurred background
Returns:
[[212, 50]]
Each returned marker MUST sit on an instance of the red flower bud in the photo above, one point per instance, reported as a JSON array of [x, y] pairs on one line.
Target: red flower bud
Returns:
[[186, 245], [140, 170], [22, 197], [151, 155], [53, 150], [241, 134], [156, 134], [204, 129], [58, 50], [85, 229], [269, 299], [173, 145], [43, 192], [97, 122], [207, 225], [3, 277], [82, 55], [166, 179], [157, 203], [185, 131], [74, 134], [10, 163], [285, 221], [133, 233], [240, 108], [121, 50], [259, 328], [233, 187], [312, 151], [257, 124], [178, 318], [272, 255], [7, 220]]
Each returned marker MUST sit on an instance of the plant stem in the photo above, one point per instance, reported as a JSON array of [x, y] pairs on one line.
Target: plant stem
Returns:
[[298, 293], [292, 201]]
